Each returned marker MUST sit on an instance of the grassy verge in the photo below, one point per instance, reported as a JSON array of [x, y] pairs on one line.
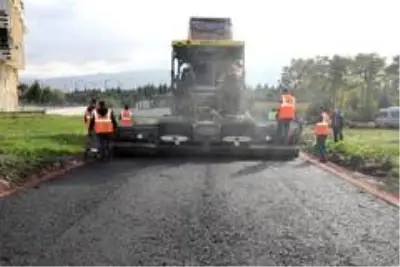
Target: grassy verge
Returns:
[[371, 151], [33, 143], [28, 143]]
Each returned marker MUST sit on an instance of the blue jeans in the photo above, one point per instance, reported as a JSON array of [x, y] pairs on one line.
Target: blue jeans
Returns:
[[283, 131], [337, 134]]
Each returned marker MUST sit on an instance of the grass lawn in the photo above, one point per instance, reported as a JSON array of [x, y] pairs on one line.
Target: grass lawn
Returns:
[[374, 152], [369, 141], [41, 135], [28, 141], [44, 136], [369, 150], [374, 143], [376, 146]]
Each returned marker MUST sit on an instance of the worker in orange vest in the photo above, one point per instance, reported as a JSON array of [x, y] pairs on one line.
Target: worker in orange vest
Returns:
[[86, 119], [88, 111], [103, 123], [125, 117], [321, 131], [286, 114]]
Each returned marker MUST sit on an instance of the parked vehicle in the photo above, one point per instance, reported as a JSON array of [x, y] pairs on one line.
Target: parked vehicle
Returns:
[[388, 118]]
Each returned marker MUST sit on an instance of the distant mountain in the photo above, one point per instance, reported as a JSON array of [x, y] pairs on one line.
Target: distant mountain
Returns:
[[126, 80], [132, 79]]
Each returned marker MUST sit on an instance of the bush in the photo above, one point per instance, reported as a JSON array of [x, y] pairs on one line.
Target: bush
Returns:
[[373, 152]]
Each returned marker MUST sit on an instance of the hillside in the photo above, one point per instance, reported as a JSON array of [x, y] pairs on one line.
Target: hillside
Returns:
[[131, 79]]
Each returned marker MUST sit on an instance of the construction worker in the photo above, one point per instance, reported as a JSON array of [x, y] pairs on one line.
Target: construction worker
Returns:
[[86, 119], [286, 113], [103, 123], [321, 131], [187, 79], [125, 117], [88, 111], [186, 82], [337, 125]]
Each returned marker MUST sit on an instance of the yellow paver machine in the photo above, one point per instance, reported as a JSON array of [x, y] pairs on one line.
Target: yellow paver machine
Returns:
[[209, 112]]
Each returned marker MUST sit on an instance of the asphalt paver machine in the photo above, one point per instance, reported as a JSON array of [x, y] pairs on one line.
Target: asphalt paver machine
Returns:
[[209, 113]]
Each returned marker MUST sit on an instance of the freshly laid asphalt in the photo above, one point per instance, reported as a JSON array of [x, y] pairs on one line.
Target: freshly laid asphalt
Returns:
[[197, 212]]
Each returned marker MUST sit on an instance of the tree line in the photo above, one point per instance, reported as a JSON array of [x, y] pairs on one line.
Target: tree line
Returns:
[[358, 85], [37, 94]]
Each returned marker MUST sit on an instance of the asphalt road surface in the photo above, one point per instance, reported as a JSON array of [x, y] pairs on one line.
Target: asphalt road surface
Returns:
[[196, 212]]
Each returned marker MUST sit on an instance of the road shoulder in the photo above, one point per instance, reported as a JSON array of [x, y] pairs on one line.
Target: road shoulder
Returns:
[[7, 189], [362, 181]]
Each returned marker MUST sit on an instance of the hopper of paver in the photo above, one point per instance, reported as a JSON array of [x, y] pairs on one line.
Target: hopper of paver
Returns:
[[201, 28], [216, 62]]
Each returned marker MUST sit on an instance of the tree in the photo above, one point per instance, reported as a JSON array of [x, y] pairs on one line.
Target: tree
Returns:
[[337, 71], [359, 84], [370, 68], [34, 93]]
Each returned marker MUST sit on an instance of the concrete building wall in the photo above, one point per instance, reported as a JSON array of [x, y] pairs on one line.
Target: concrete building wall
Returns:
[[9, 68]]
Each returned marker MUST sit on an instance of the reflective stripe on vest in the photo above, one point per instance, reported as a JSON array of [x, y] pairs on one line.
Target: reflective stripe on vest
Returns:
[[103, 124], [321, 128], [287, 108], [126, 118]]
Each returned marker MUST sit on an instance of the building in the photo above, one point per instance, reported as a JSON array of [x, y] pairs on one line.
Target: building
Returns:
[[12, 51]]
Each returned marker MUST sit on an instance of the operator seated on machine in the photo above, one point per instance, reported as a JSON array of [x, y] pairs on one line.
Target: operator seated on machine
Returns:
[[185, 82], [187, 79], [231, 91]]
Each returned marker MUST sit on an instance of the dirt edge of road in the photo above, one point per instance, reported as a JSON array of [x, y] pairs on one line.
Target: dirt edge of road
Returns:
[[359, 180], [36, 179]]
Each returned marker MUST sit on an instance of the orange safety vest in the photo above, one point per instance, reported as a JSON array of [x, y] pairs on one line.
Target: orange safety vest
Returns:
[[103, 124], [126, 118], [287, 108], [321, 128]]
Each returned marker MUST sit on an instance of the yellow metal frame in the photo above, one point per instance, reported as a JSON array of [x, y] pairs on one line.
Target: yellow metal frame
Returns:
[[207, 42]]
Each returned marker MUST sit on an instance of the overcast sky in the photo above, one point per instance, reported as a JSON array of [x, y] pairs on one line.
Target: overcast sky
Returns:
[[68, 37]]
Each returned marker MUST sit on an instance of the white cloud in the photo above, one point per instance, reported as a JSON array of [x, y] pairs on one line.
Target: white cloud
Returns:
[[274, 31]]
